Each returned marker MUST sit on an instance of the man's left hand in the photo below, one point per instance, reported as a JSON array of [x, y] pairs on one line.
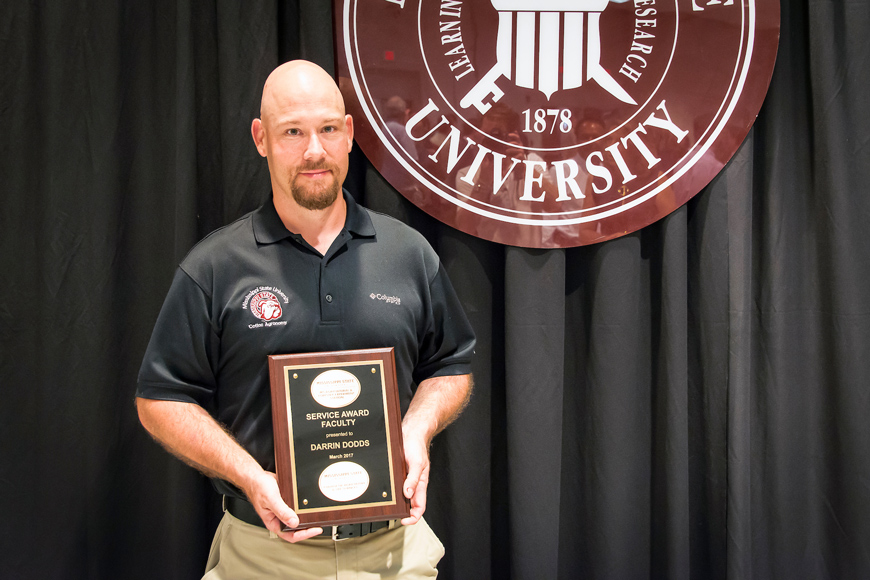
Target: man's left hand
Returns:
[[436, 403], [414, 488]]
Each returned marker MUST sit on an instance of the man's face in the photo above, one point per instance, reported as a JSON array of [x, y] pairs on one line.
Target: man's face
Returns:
[[306, 138]]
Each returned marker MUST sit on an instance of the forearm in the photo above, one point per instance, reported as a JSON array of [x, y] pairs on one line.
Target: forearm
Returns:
[[437, 403], [192, 435]]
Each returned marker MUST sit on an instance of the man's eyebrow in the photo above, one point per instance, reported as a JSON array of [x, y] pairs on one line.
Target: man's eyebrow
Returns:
[[296, 121], [337, 120]]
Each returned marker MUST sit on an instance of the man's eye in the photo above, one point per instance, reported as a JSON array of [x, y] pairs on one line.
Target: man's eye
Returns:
[[293, 131]]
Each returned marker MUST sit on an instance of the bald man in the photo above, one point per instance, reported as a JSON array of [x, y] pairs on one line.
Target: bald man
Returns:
[[334, 276]]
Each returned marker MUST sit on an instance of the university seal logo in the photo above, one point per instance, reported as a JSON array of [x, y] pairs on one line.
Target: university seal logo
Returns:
[[553, 123], [266, 306]]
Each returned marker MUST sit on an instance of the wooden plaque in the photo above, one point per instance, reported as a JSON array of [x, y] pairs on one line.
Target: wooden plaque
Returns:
[[339, 454]]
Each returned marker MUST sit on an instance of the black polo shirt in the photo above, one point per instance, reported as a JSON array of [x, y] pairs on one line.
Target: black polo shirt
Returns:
[[253, 288]]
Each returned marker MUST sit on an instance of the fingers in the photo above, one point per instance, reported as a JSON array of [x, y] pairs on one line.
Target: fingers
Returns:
[[411, 481], [276, 524], [418, 505], [418, 497], [266, 498], [416, 460], [284, 513], [276, 514], [415, 485], [299, 535]]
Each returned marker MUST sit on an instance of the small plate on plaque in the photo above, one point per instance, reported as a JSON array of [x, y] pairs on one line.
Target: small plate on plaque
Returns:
[[339, 454]]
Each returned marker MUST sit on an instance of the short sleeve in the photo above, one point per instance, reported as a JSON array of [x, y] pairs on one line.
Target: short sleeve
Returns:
[[448, 343], [179, 363]]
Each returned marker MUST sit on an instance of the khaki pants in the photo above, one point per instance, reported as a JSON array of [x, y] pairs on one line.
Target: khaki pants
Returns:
[[241, 551]]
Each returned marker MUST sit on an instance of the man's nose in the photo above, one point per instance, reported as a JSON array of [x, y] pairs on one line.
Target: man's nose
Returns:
[[314, 149]]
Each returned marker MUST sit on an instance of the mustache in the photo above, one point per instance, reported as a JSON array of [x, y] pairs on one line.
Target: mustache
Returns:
[[316, 167]]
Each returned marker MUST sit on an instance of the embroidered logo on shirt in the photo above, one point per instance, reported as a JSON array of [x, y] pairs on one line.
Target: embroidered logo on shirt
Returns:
[[384, 298], [264, 303], [265, 306]]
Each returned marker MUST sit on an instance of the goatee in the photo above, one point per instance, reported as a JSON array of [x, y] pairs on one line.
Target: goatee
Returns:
[[315, 198]]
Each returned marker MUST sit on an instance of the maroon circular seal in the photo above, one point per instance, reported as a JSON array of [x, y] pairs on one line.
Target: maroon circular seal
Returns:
[[265, 306], [553, 123]]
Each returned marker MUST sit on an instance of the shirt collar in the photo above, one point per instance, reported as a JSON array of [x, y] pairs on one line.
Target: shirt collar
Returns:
[[268, 227]]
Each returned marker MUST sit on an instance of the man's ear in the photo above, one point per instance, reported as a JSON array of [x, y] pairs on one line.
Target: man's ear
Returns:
[[259, 135], [348, 122]]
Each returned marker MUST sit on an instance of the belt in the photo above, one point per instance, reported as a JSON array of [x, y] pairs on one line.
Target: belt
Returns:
[[243, 510]]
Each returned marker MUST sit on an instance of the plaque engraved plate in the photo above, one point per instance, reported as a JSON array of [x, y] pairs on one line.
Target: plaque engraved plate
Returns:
[[338, 436]]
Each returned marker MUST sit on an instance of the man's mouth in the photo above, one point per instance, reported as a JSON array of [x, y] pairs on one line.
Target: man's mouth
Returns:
[[315, 172]]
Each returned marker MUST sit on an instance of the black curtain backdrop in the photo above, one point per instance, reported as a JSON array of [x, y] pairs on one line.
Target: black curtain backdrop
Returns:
[[689, 401]]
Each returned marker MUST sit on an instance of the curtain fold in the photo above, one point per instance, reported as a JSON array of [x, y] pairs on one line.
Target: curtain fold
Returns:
[[534, 355]]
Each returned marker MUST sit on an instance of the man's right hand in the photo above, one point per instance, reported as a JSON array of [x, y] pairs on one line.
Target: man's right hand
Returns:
[[264, 495], [189, 432]]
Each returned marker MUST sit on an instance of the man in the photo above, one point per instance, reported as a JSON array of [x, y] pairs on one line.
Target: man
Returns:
[[396, 115], [323, 263]]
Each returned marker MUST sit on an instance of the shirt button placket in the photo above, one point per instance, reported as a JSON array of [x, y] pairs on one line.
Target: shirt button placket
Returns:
[[328, 302]]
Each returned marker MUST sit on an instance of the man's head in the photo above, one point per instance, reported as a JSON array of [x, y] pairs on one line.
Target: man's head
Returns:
[[304, 133], [395, 109]]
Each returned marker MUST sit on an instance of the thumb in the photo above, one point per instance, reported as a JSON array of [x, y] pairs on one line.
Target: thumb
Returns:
[[276, 516], [415, 471], [271, 505], [284, 513], [411, 484]]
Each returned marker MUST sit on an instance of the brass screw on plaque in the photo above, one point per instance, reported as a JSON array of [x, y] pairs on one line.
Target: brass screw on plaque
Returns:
[[295, 376], [384, 494], [305, 502], [373, 370]]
